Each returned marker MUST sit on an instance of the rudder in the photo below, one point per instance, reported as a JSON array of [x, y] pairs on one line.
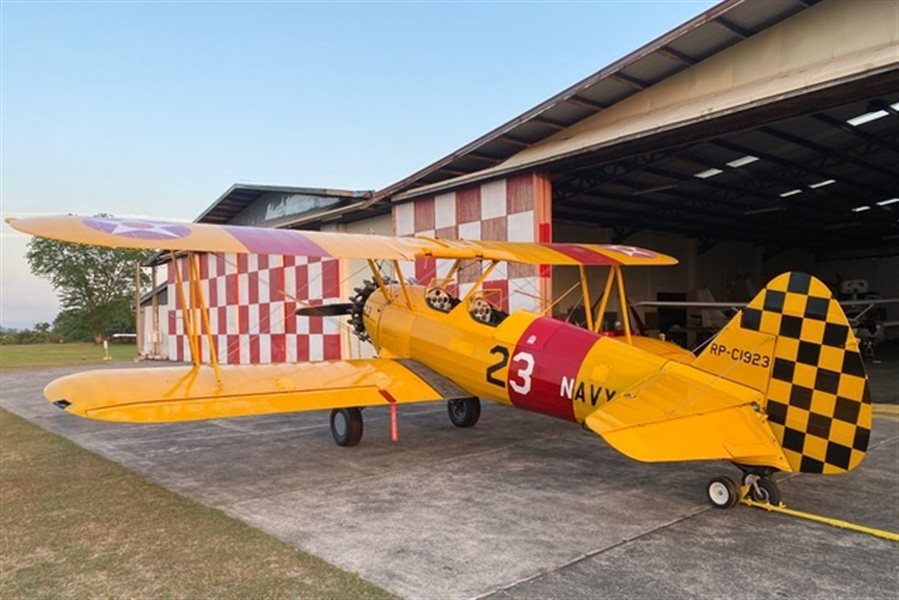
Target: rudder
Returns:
[[794, 343]]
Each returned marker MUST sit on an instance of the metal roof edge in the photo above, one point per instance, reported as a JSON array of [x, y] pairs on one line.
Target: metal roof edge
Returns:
[[497, 172], [659, 42]]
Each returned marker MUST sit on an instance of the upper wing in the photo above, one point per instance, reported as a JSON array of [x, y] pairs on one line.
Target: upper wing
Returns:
[[166, 394], [204, 237], [686, 414]]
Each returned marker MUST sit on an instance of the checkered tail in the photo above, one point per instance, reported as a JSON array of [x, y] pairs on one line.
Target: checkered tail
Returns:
[[793, 343]]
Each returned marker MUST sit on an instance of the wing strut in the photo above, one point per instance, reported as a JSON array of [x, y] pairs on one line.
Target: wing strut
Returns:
[[615, 277], [185, 312], [622, 304], [378, 279], [399, 275], [585, 290], [451, 274], [204, 313], [197, 302], [477, 284]]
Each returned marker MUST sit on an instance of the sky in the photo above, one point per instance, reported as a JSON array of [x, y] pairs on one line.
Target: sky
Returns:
[[156, 108]]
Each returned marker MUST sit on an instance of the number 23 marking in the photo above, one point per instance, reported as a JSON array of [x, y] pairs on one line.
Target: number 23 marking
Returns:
[[523, 385]]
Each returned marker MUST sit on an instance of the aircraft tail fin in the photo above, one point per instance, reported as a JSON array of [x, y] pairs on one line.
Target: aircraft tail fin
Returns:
[[793, 343]]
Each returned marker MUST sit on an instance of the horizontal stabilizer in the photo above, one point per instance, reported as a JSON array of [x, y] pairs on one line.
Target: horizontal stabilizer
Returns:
[[685, 414]]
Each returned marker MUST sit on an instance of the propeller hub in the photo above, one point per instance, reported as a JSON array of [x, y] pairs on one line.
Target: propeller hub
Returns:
[[358, 300]]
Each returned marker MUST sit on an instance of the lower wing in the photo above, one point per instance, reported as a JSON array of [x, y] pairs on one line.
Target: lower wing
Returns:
[[167, 394]]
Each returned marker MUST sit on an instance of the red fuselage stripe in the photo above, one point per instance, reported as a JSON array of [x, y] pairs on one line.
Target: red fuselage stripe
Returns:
[[556, 349]]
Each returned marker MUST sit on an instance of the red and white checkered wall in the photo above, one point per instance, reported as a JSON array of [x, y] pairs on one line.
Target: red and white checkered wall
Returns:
[[251, 300], [515, 209]]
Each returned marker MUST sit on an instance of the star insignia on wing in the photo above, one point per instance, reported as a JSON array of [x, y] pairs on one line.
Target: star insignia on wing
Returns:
[[137, 228], [632, 251], [127, 227]]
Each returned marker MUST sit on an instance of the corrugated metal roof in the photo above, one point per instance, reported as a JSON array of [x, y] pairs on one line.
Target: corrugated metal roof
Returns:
[[721, 26]]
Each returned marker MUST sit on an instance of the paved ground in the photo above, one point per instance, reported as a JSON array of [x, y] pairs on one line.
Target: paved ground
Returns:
[[521, 506]]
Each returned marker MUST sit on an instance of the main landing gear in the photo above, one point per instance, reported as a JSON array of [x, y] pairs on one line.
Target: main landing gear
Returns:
[[346, 426], [346, 423], [465, 412], [723, 492]]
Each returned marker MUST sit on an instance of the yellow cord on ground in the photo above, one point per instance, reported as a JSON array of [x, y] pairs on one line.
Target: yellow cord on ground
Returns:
[[887, 535], [886, 410]]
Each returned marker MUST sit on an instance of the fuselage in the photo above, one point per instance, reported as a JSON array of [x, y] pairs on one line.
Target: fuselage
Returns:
[[529, 361]]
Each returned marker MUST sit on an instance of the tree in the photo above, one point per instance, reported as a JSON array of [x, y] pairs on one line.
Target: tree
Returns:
[[95, 285]]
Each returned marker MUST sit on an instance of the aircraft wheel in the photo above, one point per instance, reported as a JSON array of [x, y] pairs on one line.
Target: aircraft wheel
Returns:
[[464, 413], [346, 426], [723, 492], [764, 489]]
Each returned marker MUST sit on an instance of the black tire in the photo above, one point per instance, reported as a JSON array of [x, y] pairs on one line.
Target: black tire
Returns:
[[346, 426], [765, 490], [722, 492], [464, 413]]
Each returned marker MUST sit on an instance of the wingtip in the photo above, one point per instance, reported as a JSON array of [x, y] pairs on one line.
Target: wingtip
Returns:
[[9, 220]]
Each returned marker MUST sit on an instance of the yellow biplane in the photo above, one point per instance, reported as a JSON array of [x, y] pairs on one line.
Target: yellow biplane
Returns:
[[781, 387]]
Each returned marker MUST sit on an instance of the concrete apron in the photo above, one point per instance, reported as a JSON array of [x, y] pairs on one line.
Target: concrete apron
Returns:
[[521, 505]]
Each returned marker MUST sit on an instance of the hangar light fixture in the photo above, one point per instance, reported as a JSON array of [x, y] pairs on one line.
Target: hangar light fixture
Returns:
[[867, 117], [862, 208], [888, 202], [708, 173], [789, 193], [742, 161], [876, 110], [821, 184]]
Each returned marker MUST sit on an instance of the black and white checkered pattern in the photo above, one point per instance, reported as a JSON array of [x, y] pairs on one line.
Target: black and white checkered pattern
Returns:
[[818, 402]]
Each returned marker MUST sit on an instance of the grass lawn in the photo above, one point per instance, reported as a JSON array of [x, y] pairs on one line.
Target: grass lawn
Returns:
[[26, 356], [75, 525]]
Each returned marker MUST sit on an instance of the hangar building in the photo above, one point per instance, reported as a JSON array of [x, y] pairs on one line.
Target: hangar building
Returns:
[[756, 138]]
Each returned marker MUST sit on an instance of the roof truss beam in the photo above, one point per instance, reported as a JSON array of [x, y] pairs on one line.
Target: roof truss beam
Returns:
[[557, 125], [677, 56], [807, 168], [511, 139], [585, 103], [856, 132], [629, 81], [732, 28], [809, 145]]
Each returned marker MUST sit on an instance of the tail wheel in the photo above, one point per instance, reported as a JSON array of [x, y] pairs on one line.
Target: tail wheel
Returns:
[[723, 492], [464, 413], [346, 426], [764, 489]]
